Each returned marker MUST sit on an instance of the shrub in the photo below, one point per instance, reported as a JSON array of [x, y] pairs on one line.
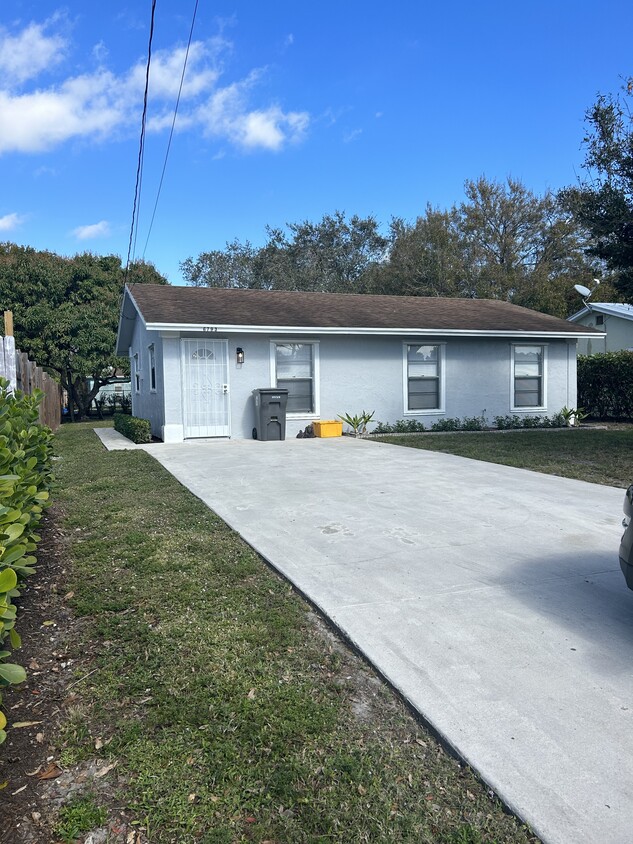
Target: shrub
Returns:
[[605, 384], [402, 426], [447, 424], [133, 427], [508, 422], [25, 481]]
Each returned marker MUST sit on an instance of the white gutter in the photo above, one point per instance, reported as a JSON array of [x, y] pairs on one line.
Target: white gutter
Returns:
[[205, 328]]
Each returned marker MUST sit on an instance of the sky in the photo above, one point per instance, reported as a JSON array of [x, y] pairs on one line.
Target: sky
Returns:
[[288, 111]]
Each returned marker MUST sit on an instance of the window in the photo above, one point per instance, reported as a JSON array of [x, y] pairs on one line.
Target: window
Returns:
[[599, 319], [152, 368], [294, 366], [136, 374], [423, 378], [528, 377]]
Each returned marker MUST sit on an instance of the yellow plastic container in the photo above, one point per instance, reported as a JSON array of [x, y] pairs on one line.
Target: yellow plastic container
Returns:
[[328, 428]]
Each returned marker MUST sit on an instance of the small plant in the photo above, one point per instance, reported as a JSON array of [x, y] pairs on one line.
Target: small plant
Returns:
[[474, 423], [78, 817], [573, 416], [358, 423], [447, 424]]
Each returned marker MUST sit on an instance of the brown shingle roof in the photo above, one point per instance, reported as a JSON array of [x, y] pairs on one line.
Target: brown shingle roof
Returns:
[[165, 304]]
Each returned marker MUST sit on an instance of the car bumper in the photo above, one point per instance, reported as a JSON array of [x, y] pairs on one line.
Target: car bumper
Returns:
[[627, 571]]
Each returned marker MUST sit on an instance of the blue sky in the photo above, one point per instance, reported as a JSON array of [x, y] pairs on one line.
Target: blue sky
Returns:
[[289, 111]]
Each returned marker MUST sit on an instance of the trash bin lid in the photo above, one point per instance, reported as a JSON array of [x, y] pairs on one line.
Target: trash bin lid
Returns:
[[266, 391]]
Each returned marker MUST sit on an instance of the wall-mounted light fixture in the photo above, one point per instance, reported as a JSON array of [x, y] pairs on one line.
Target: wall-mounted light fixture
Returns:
[[239, 355]]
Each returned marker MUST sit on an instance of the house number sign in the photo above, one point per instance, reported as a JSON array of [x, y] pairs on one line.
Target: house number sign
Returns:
[[209, 328]]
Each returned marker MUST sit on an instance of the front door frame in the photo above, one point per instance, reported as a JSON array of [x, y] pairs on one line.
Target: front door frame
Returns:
[[219, 387]]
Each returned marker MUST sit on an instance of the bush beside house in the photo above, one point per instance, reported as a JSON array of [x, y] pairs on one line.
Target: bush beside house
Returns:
[[25, 481], [605, 384], [135, 429]]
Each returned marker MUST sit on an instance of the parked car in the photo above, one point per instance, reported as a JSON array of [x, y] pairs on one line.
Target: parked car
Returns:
[[626, 546]]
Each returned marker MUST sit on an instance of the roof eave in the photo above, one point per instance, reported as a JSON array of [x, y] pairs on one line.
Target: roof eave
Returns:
[[127, 317], [300, 330]]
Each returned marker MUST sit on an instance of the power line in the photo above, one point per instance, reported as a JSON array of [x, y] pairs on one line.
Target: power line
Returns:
[[141, 150], [173, 123]]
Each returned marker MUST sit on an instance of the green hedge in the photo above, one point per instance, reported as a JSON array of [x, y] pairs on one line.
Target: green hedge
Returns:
[[135, 429], [605, 385], [25, 480]]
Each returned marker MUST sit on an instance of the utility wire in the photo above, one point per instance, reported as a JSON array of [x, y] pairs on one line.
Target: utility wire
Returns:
[[173, 123], [141, 150]]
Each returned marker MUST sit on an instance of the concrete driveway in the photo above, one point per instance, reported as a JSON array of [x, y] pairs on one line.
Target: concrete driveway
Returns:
[[491, 597]]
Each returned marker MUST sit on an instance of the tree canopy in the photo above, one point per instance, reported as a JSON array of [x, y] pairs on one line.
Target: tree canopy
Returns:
[[331, 256], [501, 242], [603, 201], [66, 313]]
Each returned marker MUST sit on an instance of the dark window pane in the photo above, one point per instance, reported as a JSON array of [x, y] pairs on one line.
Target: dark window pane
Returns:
[[424, 394], [527, 392], [299, 394]]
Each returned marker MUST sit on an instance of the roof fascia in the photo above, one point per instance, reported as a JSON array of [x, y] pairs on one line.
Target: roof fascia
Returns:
[[170, 327], [124, 332], [579, 314]]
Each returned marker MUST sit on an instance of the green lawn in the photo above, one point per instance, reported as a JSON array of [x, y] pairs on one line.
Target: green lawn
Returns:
[[234, 714], [588, 454]]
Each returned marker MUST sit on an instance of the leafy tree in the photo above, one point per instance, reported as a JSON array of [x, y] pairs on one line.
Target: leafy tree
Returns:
[[603, 202], [521, 247], [332, 255], [425, 258], [232, 267], [66, 313]]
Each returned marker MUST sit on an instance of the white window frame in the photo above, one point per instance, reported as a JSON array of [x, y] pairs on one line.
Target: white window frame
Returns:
[[151, 366], [529, 408], [441, 347], [136, 373], [316, 378]]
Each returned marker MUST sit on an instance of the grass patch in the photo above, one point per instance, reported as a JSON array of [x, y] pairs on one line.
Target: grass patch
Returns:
[[77, 817], [599, 456], [234, 714]]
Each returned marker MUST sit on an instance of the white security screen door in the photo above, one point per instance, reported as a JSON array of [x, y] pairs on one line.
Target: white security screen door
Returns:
[[205, 388]]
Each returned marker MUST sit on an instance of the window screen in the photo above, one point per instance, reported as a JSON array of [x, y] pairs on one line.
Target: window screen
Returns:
[[295, 371], [423, 377]]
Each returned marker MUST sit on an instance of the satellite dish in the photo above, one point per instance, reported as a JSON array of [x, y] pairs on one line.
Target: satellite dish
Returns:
[[584, 291]]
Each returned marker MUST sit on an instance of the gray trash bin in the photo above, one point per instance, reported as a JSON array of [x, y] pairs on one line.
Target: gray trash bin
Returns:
[[270, 413]]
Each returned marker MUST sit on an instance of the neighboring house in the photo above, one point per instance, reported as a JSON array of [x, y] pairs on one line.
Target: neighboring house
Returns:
[[198, 353], [119, 388], [616, 321]]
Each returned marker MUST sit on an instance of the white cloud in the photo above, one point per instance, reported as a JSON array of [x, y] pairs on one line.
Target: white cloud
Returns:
[[25, 55], [100, 52], [226, 115], [101, 229], [352, 135], [10, 222], [102, 105]]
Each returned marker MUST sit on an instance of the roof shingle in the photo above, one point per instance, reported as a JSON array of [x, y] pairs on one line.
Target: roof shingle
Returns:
[[164, 304]]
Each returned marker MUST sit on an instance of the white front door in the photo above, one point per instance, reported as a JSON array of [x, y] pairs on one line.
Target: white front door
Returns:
[[205, 388]]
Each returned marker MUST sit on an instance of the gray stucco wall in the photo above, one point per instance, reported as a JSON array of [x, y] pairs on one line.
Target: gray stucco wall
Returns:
[[145, 403], [355, 373], [619, 334]]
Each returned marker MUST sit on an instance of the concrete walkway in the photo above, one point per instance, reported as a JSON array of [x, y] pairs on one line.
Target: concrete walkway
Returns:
[[491, 597]]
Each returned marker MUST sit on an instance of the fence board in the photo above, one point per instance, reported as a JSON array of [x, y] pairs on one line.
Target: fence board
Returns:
[[26, 376]]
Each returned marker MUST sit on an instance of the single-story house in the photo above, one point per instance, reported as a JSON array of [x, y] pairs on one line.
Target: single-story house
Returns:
[[197, 354], [613, 319]]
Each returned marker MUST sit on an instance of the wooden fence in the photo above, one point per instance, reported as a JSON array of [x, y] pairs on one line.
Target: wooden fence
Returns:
[[25, 375]]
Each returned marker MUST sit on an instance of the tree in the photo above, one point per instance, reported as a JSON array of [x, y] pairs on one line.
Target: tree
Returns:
[[66, 313], [520, 247], [332, 255], [425, 258], [603, 202], [232, 267]]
